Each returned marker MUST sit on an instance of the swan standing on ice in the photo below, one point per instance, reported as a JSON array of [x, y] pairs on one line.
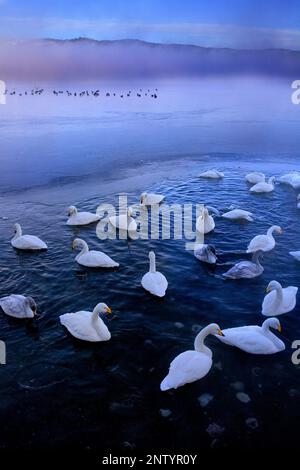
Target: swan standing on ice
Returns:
[[18, 306], [26, 242], [87, 326], [264, 187], [154, 281], [81, 218], [190, 366], [205, 222], [212, 174], [150, 199], [124, 221], [205, 253], [264, 242], [295, 254], [246, 269], [255, 177], [279, 300], [92, 259], [255, 339], [238, 214]]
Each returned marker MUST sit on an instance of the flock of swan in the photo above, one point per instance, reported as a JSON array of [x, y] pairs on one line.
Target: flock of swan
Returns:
[[194, 364]]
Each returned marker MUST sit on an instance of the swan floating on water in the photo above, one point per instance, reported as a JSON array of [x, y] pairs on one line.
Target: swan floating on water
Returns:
[[18, 306], [293, 179], [205, 222], [264, 242], [151, 199], [238, 214], [81, 218], [246, 269], [92, 259], [124, 221], [264, 187], [205, 253], [255, 339], [87, 326], [295, 254], [255, 177], [26, 242], [212, 174], [154, 281], [191, 365], [279, 300]]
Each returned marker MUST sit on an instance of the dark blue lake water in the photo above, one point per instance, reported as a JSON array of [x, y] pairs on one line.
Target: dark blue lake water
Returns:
[[60, 392]]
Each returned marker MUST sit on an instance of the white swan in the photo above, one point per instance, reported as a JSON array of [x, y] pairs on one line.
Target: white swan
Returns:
[[154, 281], [255, 339], [81, 218], [205, 253], [87, 326], [18, 306], [212, 174], [279, 300], [246, 269], [26, 242], [124, 221], [293, 179], [92, 259], [190, 366], [264, 242], [205, 222], [150, 199], [264, 187], [255, 177], [238, 214], [295, 254]]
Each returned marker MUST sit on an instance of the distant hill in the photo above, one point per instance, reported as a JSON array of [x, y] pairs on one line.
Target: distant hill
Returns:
[[82, 58]]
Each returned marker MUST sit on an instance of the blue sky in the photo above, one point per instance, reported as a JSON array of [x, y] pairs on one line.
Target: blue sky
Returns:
[[227, 23]]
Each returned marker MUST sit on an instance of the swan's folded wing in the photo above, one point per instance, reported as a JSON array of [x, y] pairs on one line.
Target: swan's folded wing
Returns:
[[260, 242], [248, 338], [79, 325], [155, 283], [14, 305], [188, 367]]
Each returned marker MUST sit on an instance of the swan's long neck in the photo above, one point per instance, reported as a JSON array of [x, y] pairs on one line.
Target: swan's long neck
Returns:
[[152, 268], [269, 334], [84, 249], [95, 321], [18, 232], [199, 342], [270, 232], [256, 259], [278, 297]]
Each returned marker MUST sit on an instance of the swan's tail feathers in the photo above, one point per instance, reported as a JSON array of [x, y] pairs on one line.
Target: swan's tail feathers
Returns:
[[164, 386], [250, 219]]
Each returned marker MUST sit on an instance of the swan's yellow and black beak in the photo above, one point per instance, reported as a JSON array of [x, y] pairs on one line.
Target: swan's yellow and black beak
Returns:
[[73, 245], [268, 290], [279, 328], [220, 333], [108, 310]]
